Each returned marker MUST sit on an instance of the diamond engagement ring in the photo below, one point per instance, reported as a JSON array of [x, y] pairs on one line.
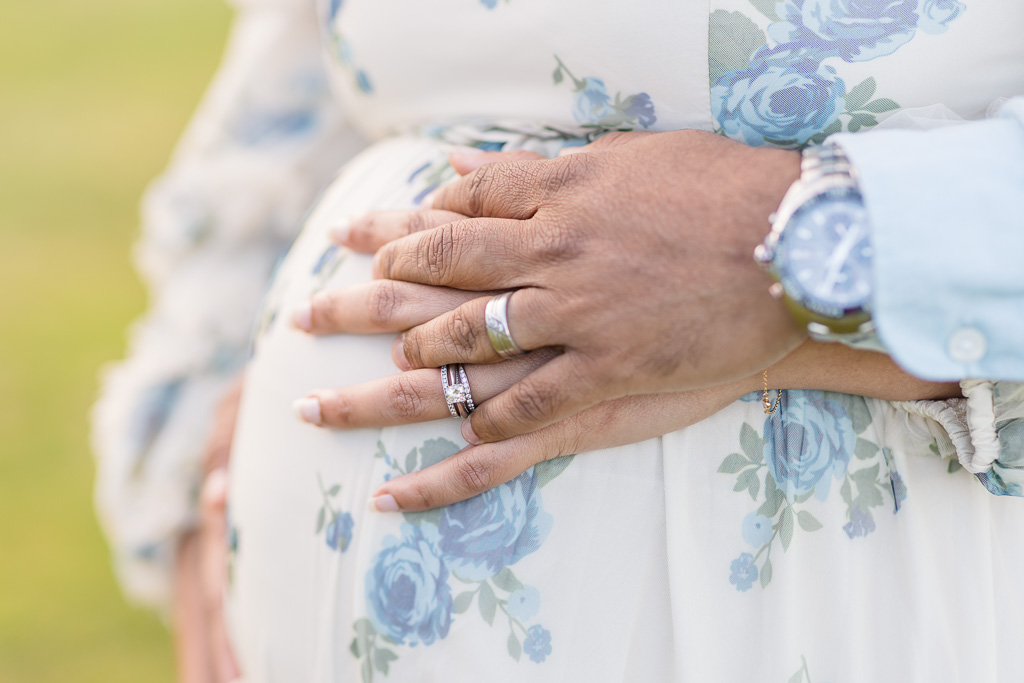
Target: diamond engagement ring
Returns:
[[496, 319], [455, 383]]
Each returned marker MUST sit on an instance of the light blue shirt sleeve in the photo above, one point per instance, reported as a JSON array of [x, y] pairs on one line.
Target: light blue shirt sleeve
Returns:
[[947, 214]]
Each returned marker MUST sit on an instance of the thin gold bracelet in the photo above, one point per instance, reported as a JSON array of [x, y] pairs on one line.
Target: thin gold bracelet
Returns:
[[769, 407]]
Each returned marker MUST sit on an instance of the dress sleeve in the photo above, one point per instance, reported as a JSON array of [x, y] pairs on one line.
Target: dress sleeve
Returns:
[[984, 431], [266, 138], [947, 214]]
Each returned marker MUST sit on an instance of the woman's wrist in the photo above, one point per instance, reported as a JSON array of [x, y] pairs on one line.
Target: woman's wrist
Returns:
[[836, 367]]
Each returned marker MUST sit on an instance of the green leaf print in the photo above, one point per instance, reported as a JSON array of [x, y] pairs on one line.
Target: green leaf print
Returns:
[[515, 649], [880, 105], [786, 528], [549, 469], [732, 38], [865, 450], [859, 94], [488, 603], [751, 443], [766, 7], [463, 601], [506, 580], [807, 521], [382, 660], [733, 463]]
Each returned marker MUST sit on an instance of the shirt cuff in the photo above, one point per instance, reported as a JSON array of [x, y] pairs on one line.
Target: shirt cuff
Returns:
[[947, 214]]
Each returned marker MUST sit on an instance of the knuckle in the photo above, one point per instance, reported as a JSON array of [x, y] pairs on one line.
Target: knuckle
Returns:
[[437, 257], [337, 410], [473, 474], [532, 404], [557, 244], [460, 332], [419, 496], [384, 303], [404, 398], [415, 221], [476, 188]]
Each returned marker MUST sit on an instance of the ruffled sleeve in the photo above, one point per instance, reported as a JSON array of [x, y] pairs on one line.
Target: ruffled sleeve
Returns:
[[266, 138], [984, 431]]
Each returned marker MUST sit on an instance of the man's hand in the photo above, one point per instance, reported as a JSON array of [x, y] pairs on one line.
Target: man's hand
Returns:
[[633, 256]]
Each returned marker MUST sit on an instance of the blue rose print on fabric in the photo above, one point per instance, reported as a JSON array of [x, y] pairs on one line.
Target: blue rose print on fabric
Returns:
[[592, 102], [339, 532], [339, 524], [743, 573], [854, 30], [783, 95], [757, 529], [494, 529], [537, 645], [899, 489], [810, 443], [470, 546], [788, 469], [408, 597], [936, 15], [861, 523], [595, 108], [524, 603], [341, 50]]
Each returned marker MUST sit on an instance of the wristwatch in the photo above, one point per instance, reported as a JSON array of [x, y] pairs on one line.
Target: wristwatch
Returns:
[[819, 249]]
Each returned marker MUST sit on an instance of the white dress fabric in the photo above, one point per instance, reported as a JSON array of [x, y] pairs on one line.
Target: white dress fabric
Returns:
[[841, 539]]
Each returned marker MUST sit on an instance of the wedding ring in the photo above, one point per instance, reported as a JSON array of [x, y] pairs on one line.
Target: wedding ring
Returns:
[[496, 319], [455, 383]]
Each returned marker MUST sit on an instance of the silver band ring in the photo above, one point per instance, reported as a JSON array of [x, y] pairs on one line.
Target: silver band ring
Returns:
[[496, 319], [455, 383]]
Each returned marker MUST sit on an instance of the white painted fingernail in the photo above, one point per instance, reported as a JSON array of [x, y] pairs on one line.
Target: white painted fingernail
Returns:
[[468, 434], [308, 410], [339, 233], [302, 316], [383, 503], [215, 487]]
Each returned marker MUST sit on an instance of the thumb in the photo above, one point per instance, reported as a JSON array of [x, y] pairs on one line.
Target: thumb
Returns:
[[465, 162]]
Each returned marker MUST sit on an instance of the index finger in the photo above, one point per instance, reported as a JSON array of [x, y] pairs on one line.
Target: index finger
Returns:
[[474, 254], [508, 189]]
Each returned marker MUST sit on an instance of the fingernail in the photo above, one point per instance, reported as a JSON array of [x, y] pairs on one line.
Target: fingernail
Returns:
[[383, 503], [215, 487], [398, 353], [570, 149], [340, 233], [302, 316], [468, 434], [308, 410]]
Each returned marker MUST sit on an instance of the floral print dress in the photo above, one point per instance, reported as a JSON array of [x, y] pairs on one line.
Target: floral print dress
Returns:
[[839, 539]]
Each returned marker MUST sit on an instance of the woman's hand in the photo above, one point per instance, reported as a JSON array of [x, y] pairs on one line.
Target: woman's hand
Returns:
[[634, 257], [204, 653]]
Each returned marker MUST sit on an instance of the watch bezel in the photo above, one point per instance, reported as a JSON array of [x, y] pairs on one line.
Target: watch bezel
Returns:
[[841, 320]]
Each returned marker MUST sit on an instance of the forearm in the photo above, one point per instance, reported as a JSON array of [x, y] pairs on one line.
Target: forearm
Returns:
[[836, 367]]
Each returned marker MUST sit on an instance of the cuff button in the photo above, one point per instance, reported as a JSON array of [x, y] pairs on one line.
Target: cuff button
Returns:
[[967, 345]]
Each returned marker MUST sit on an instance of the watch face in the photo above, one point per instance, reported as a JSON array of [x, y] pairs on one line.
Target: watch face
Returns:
[[824, 255]]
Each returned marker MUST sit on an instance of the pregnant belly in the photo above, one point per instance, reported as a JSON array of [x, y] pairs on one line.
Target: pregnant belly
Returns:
[[296, 489], [309, 562]]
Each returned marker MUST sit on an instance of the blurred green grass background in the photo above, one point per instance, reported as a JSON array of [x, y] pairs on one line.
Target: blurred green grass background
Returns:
[[92, 97]]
